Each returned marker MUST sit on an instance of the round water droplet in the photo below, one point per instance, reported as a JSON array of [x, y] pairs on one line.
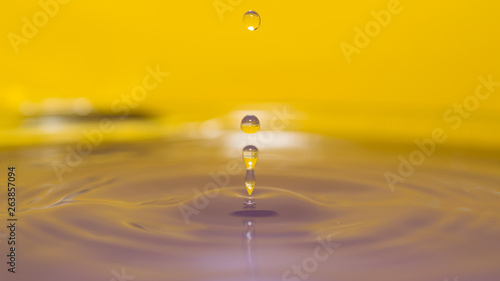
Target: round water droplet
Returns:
[[250, 124], [251, 20]]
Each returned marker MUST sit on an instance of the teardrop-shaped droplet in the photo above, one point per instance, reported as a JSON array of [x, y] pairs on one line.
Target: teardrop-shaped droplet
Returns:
[[250, 156]]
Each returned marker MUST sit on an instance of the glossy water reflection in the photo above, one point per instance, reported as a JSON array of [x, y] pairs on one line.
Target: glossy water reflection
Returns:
[[120, 209]]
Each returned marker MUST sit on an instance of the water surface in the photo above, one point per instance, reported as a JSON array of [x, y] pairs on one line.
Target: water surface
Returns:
[[118, 214]]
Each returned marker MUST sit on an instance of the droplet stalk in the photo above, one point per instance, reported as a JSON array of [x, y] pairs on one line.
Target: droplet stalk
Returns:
[[250, 181]]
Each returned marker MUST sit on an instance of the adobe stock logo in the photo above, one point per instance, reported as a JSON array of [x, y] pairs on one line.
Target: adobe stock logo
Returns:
[[221, 7], [310, 264], [455, 116], [76, 153], [121, 276], [48, 9]]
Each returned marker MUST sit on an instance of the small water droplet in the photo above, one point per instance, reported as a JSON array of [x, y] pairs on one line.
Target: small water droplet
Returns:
[[251, 20], [250, 124]]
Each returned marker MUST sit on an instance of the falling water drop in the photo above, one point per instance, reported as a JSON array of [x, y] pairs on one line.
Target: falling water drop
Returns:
[[251, 20], [250, 124]]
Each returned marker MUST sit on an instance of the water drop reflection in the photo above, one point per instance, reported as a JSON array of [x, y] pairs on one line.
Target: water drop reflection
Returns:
[[249, 237], [254, 213]]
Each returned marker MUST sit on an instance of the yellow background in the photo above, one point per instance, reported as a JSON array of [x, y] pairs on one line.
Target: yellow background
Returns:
[[395, 90]]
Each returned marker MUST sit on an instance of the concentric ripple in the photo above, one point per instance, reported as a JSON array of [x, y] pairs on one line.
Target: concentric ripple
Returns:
[[175, 209]]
